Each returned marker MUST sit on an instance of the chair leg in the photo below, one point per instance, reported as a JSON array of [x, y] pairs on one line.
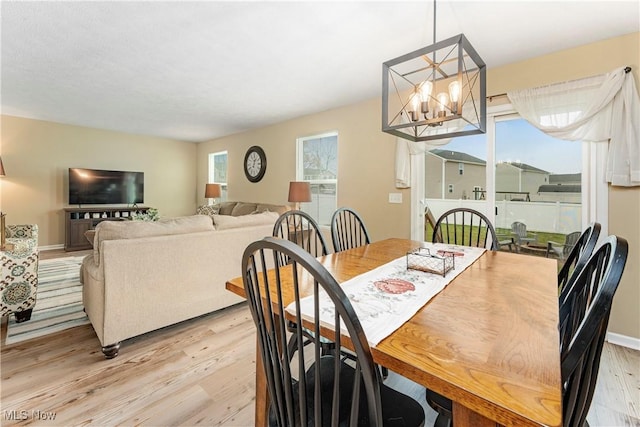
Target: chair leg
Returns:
[[23, 316], [443, 421], [384, 371], [292, 345]]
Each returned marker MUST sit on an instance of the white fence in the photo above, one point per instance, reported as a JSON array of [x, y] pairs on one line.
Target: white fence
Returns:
[[550, 217]]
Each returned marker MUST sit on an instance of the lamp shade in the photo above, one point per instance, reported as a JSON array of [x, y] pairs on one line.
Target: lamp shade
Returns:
[[212, 191], [299, 191], [1, 167]]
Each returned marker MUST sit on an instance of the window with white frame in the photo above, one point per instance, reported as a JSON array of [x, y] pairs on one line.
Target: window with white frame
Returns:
[[461, 168], [218, 172], [317, 163], [450, 188]]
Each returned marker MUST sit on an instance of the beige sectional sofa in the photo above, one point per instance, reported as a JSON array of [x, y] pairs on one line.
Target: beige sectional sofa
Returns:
[[143, 276]]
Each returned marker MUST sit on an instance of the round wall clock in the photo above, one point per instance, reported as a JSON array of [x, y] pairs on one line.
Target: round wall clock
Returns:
[[255, 163]]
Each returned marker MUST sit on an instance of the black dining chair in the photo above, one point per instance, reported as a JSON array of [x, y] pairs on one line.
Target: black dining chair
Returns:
[[465, 227], [578, 257], [578, 297], [593, 293], [300, 228], [314, 388], [348, 230]]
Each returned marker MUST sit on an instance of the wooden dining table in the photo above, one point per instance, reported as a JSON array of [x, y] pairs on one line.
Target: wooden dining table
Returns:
[[488, 341]]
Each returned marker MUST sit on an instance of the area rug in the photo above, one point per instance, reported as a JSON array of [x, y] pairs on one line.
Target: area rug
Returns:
[[58, 302]]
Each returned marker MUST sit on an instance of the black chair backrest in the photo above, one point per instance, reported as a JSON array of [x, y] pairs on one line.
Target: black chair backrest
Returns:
[[300, 228], [348, 230], [578, 257], [466, 227], [576, 301], [580, 361], [299, 400]]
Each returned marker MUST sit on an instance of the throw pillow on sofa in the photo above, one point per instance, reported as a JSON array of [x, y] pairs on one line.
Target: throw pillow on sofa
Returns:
[[225, 222], [208, 210]]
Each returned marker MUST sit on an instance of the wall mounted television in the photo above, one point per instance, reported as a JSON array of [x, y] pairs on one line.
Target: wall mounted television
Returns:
[[104, 187]]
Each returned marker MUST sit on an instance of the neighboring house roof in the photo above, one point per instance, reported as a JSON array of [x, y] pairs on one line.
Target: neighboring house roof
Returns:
[[562, 178], [456, 156], [558, 188], [523, 166]]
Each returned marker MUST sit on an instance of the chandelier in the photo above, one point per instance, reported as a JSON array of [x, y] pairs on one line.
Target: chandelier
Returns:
[[435, 92]]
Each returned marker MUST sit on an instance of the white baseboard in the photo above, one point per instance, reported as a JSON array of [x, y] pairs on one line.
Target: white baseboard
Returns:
[[51, 247], [623, 340]]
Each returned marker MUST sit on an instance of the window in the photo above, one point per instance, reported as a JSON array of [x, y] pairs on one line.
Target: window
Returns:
[[218, 172], [317, 163], [461, 168], [553, 186]]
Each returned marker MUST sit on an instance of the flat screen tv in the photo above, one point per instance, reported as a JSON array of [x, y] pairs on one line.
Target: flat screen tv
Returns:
[[102, 187]]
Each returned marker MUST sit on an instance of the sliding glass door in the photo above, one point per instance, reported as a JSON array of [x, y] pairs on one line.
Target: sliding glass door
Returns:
[[535, 189]]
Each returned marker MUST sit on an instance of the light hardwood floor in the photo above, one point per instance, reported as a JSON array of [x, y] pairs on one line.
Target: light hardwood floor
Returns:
[[199, 372]]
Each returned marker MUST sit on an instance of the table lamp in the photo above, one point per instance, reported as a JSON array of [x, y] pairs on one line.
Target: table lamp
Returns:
[[212, 191], [299, 191]]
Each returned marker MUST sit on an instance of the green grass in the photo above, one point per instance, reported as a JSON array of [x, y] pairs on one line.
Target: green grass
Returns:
[[541, 237]]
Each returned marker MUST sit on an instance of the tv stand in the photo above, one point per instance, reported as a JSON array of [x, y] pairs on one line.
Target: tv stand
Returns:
[[80, 220]]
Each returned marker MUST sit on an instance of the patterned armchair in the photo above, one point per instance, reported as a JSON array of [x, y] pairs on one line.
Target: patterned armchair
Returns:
[[19, 271]]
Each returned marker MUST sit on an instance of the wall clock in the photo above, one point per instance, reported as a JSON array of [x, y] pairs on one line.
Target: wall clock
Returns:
[[255, 163]]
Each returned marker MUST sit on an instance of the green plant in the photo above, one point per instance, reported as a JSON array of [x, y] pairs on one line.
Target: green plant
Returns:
[[150, 215]]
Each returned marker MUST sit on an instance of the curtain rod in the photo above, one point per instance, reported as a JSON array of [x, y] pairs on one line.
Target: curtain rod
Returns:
[[627, 70]]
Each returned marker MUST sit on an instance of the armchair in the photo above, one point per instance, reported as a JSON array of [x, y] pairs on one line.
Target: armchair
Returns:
[[519, 232], [562, 250], [19, 271]]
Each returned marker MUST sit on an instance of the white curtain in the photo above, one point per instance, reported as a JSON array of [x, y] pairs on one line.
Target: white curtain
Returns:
[[404, 150], [598, 109]]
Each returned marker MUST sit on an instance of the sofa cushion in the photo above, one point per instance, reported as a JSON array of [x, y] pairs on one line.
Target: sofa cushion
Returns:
[[113, 230], [242, 208], [226, 207], [225, 222]]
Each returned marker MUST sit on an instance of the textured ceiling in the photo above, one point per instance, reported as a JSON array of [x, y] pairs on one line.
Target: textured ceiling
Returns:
[[195, 71]]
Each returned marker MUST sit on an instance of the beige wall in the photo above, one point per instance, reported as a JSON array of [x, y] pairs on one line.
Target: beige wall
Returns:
[[366, 158], [365, 165], [37, 154]]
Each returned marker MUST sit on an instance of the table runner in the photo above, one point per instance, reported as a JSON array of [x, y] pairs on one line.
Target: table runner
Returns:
[[386, 297]]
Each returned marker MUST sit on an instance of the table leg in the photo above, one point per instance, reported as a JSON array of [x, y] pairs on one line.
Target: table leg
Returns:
[[465, 417], [262, 394]]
